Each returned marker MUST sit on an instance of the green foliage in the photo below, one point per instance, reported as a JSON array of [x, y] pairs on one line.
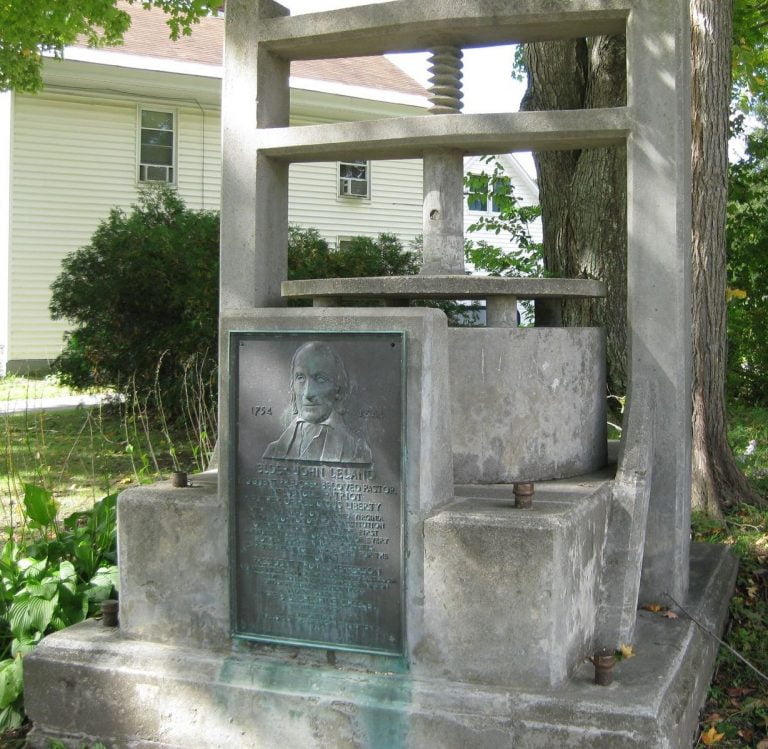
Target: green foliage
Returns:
[[143, 296], [747, 234], [525, 257], [750, 53], [30, 28], [52, 575], [310, 256]]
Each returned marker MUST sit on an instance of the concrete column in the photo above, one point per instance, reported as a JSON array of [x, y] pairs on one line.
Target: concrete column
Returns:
[[501, 312], [658, 274], [443, 218], [254, 235], [443, 213]]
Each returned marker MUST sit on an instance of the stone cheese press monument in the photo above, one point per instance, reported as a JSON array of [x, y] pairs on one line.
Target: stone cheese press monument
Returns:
[[357, 573]]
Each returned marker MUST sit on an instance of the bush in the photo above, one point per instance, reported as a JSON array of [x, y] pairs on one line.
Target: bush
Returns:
[[144, 296]]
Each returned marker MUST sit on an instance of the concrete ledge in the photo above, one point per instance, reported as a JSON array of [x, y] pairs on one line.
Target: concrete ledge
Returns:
[[88, 683], [444, 287]]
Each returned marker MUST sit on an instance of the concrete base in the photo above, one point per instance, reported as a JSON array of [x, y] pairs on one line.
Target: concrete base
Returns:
[[88, 683]]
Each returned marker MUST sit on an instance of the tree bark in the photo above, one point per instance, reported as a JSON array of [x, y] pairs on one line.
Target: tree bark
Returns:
[[583, 201], [583, 193], [717, 480]]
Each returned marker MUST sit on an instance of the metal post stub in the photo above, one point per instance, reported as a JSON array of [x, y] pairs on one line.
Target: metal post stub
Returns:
[[179, 479], [524, 491], [109, 612], [604, 660]]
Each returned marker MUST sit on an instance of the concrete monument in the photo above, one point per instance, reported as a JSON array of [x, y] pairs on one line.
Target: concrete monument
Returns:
[[480, 625]]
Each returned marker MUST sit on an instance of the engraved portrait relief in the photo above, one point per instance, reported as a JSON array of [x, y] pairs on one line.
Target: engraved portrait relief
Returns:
[[319, 386]]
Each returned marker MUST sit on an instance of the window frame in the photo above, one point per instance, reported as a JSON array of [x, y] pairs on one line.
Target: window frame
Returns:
[[339, 178], [174, 167]]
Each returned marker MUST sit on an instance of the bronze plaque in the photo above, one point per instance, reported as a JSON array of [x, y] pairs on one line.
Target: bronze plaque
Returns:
[[317, 495]]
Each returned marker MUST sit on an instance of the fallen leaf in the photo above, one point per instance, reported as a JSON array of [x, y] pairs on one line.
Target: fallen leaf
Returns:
[[738, 691], [747, 735], [670, 615], [711, 736], [627, 651], [653, 607], [762, 744], [712, 718]]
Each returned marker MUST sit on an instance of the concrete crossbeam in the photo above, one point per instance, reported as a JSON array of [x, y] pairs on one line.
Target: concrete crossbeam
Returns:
[[471, 134], [405, 25], [444, 287]]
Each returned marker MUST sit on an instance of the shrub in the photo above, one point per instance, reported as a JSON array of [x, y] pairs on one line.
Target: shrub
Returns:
[[143, 296]]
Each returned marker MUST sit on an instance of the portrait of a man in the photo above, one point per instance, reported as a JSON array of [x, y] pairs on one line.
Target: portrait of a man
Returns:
[[319, 387]]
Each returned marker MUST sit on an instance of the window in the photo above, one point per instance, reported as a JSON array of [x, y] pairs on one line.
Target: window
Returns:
[[481, 187], [354, 179], [477, 192], [156, 146], [502, 190]]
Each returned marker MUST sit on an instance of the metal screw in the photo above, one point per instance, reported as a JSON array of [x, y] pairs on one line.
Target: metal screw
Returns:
[[604, 660], [109, 610], [179, 479], [523, 494]]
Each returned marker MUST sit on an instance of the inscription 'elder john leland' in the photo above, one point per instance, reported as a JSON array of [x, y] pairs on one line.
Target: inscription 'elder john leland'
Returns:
[[317, 509]]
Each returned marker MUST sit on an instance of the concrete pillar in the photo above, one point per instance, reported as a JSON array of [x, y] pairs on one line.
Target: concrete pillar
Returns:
[[443, 218], [443, 226], [255, 94], [658, 273]]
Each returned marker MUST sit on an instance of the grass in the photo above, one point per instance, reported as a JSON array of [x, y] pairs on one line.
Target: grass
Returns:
[[82, 454]]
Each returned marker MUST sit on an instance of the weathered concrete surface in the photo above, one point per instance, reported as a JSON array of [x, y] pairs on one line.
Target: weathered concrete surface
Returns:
[[172, 549], [443, 212], [444, 287], [428, 474], [511, 594], [404, 25], [659, 272], [88, 683], [527, 404], [473, 134], [620, 583]]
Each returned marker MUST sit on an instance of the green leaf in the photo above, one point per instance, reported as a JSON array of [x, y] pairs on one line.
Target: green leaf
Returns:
[[39, 504], [11, 717], [67, 570], [26, 644], [11, 681], [30, 614]]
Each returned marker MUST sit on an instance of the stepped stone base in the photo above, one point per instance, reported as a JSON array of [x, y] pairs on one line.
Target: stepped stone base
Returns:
[[89, 683]]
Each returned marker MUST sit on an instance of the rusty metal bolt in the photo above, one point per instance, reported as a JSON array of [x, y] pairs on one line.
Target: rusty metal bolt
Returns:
[[109, 609], [604, 660], [523, 494], [179, 479]]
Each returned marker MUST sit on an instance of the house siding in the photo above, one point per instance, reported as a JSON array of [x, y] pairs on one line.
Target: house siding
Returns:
[[75, 159]]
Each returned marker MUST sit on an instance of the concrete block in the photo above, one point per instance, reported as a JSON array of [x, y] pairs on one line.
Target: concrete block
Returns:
[[511, 594], [172, 554], [528, 404], [88, 683]]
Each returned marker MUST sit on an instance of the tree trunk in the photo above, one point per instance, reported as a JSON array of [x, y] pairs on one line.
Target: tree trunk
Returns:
[[583, 201], [583, 193], [717, 480]]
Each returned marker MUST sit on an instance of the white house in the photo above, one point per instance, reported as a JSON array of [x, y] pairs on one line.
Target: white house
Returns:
[[110, 119]]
